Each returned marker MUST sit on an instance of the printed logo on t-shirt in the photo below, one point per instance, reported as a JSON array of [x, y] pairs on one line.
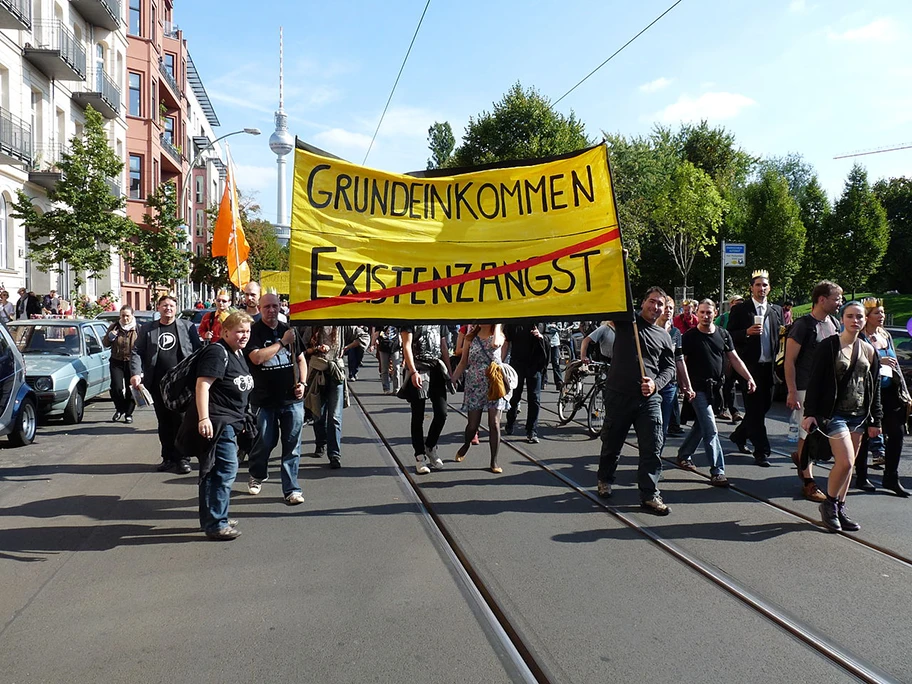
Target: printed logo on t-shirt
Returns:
[[244, 383], [166, 341]]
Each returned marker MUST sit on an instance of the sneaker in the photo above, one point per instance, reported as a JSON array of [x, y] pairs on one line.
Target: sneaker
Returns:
[[878, 461], [182, 468], [718, 480], [737, 417], [335, 462], [421, 465], [830, 516], [723, 415], [655, 505], [319, 452], [687, 464], [128, 419], [254, 486], [676, 430], [294, 499], [433, 459], [117, 416], [226, 533], [532, 438], [848, 525], [812, 493], [604, 489]]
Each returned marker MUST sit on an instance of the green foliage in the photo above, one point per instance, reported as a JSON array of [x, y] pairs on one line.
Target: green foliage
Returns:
[[816, 216], [441, 143], [860, 233], [713, 150], [896, 197], [209, 270], [158, 251], [266, 254], [83, 223], [774, 233], [688, 213], [521, 126]]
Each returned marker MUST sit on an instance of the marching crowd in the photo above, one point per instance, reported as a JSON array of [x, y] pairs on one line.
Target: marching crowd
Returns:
[[257, 382]]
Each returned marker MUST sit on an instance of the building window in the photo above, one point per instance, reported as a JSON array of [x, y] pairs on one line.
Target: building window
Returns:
[[135, 94], [4, 232], [135, 18], [169, 130], [135, 176], [152, 30], [200, 223], [200, 185], [169, 65], [199, 250]]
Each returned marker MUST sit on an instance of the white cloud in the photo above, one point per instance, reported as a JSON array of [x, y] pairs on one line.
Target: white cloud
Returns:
[[798, 6], [879, 30], [656, 85], [710, 106]]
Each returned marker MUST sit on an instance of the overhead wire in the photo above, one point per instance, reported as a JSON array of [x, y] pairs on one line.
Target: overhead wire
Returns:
[[401, 68], [618, 51]]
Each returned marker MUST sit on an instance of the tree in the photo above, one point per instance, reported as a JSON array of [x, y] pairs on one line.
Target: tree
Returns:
[[521, 126], [687, 215], [441, 143], [815, 214], [775, 234], [266, 254], [860, 232], [83, 225], [158, 249], [209, 270], [798, 174], [896, 197]]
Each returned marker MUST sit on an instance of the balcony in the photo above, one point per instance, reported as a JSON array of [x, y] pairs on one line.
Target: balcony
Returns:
[[172, 151], [15, 139], [56, 52], [114, 187], [171, 30], [168, 77], [44, 169], [103, 13], [16, 14], [103, 95]]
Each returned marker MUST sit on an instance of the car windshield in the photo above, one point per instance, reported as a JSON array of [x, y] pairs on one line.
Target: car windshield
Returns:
[[902, 343], [46, 339]]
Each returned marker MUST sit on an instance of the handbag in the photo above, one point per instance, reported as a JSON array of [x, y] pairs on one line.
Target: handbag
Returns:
[[502, 377]]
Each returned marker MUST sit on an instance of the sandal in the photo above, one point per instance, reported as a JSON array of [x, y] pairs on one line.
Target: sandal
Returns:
[[459, 458], [497, 470]]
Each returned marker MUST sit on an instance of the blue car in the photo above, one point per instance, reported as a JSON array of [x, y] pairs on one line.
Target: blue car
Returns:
[[18, 403]]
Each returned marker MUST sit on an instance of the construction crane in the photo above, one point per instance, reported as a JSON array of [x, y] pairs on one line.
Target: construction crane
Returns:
[[876, 150]]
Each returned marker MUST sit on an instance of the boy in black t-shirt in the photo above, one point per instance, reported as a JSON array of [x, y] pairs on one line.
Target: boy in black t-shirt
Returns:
[[705, 349]]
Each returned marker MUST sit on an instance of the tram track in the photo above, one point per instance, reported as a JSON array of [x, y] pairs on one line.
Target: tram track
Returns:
[[812, 638], [877, 548]]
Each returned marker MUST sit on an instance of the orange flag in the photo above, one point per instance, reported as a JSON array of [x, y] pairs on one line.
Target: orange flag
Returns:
[[229, 240]]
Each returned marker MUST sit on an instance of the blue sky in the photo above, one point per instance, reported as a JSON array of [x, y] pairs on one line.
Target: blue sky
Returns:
[[818, 77]]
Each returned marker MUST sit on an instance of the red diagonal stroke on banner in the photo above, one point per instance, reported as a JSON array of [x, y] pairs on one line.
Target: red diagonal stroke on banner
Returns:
[[328, 302]]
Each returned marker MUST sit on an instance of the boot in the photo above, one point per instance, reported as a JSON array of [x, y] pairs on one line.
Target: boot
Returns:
[[848, 525], [830, 516], [891, 474]]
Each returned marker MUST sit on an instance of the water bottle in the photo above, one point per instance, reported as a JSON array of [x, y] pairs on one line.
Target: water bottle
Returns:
[[793, 427]]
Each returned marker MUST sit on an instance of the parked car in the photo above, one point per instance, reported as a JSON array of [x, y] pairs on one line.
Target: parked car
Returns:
[[142, 317], [195, 316], [66, 364], [18, 402]]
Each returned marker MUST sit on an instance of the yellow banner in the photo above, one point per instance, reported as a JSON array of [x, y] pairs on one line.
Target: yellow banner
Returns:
[[274, 281], [535, 241]]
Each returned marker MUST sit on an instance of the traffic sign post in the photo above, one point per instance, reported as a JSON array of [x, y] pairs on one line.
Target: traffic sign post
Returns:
[[734, 254]]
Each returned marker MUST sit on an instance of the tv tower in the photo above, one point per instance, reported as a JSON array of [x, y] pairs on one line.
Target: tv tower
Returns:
[[281, 143]]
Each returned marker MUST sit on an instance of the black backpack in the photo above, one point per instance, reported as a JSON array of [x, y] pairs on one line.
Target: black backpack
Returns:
[[178, 386]]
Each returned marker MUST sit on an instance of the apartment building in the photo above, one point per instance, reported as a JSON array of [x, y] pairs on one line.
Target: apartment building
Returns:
[[56, 57], [169, 126]]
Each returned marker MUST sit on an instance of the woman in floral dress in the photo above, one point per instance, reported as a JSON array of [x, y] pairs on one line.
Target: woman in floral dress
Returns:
[[483, 344]]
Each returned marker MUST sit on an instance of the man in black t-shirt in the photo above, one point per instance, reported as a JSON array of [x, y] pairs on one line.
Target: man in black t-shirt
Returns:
[[160, 345], [529, 355], [705, 349], [426, 356], [632, 398], [276, 361]]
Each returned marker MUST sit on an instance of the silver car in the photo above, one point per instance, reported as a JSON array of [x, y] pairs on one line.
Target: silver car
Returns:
[[66, 364]]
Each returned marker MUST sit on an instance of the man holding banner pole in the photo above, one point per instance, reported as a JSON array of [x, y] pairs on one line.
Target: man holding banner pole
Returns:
[[643, 363]]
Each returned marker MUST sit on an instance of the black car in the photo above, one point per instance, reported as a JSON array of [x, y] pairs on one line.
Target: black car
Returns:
[[902, 342], [195, 316]]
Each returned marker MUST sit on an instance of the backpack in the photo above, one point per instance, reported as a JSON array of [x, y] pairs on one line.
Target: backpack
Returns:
[[178, 386], [388, 340]]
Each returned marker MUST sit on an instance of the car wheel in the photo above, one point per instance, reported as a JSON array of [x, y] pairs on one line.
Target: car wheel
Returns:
[[26, 424], [75, 407]]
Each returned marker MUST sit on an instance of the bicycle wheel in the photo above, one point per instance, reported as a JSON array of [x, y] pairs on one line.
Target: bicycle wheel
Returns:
[[565, 355], [596, 412], [570, 400]]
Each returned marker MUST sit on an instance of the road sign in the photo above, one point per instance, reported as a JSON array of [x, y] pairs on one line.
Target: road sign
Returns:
[[734, 255]]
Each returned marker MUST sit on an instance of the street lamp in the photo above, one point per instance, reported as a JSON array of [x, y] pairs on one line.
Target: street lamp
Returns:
[[186, 188]]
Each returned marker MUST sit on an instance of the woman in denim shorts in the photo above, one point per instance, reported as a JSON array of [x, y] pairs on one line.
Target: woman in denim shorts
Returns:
[[843, 400]]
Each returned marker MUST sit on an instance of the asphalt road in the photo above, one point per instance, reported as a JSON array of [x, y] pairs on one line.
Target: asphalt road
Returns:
[[106, 576]]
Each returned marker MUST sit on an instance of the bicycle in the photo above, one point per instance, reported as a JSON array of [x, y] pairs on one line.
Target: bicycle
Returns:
[[574, 395]]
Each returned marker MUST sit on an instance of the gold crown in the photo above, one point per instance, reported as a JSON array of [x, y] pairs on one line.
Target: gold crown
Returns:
[[761, 273]]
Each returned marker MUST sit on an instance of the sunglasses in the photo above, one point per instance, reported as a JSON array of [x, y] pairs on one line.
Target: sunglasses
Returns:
[[224, 301]]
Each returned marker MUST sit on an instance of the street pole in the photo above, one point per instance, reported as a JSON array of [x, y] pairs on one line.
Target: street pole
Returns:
[[722, 285], [185, 188]]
